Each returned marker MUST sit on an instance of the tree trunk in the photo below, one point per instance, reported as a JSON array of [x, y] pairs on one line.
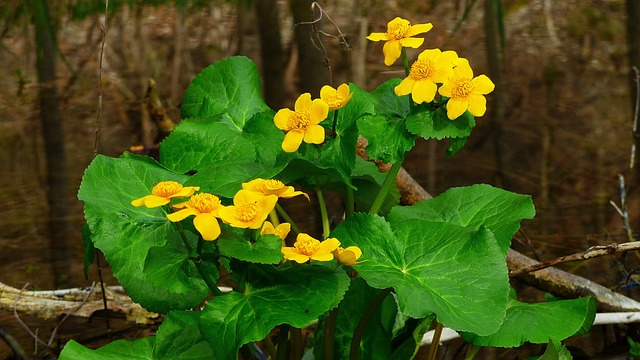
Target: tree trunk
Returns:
[[271, 52], [312, 70], [633, 41], [498, 109], [53, 135]]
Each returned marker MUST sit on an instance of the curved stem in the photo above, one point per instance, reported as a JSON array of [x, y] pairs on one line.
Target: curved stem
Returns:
[[212, 286], [354, 353], [273, 217], [287, 218], [435, 342], [386, 185], [349, 202], [471, 353], [323, 213]]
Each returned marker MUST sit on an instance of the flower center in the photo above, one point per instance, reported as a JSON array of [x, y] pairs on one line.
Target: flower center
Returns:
[[334, 101], [307, 246], [247, 212], [422, 68], [204, 202], [398, 28], [272, 184], [462, 88], [166, 188], [299, 120]]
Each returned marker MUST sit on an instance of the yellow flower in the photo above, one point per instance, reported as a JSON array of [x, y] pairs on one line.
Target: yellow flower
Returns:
[[307, 248], [281, 230], [249, 210], [432, 67], [347, 256], [272, 187], [399, 34], [302, 123], [465, 91], [163, 192], [335, 98], [205, 207]]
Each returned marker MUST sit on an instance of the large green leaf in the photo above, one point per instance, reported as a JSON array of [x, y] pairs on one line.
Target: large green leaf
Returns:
[[556, 351], [376, 342], [178, 338], [293, 296], [455, 272], [229, 87], [265, 250], [548, 320], [386, 133], [434, 124], [143, 248], [474, 206], [121, 349]]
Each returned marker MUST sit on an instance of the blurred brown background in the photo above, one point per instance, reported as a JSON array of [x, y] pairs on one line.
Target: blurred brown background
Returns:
[[559, 125]]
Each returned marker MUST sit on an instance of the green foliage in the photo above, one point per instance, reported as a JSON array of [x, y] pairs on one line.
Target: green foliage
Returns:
[[442, 258]]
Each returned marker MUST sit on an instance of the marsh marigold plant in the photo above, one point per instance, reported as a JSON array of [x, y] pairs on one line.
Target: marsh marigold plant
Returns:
[[400, 33], [301, 124]]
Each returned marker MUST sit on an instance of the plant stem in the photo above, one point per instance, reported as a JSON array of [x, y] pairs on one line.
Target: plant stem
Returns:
[[273, 217], [405, 62], [435, 342], [196, 260], [271, 348], [386, 185], [323, 213], [287, 218], [471, 353], [282, 342], [354, 353], [335, 122], [349, 207], [328, 336], [296, 343]]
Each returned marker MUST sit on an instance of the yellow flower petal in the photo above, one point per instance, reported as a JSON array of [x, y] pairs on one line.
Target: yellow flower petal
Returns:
[[292, 140], [303, 103], [477, 105], [456, 107], [418, 29], [314, 135], [322, 256], [138, 202], [405, 86], [344, 92], [318, 111], [424, 91], [482, 84], [282, 119], [329, 245], [152, 201], [462, 68], [378, 36], [207, 225], [391, 50], [412, 42], [446, 89], [181, 215], [348, 256], [293, 254]]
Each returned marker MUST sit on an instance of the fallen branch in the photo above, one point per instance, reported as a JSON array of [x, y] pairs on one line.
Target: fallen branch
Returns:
[[592, 252], [50, 304]]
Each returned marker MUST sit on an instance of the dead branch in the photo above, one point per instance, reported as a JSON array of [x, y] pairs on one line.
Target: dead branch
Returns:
[[50, 304], [592, 252]]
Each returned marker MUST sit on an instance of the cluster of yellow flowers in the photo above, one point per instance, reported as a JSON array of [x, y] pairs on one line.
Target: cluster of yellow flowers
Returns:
[[301, 123], [251, 206], [433, 67]]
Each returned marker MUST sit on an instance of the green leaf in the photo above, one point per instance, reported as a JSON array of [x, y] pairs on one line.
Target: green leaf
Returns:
[[455, 145], [265, 250], [293, 296], [548, 320], [141, 245], [429, 123], [434, 267], [179, 338], [410, 337], [386, 133], [556, 351], [229, 87], [121, 349], [474, 206], [376, 342]]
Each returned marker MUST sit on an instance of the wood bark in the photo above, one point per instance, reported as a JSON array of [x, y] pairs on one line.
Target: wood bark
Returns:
[[271, 52], [53, 135]]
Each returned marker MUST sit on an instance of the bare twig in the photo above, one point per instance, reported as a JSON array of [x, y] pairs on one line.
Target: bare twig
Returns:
[[592, 252], [17, 317], [55, 329], [15, 346], [636, 114]]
